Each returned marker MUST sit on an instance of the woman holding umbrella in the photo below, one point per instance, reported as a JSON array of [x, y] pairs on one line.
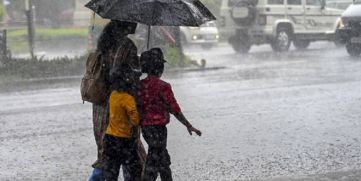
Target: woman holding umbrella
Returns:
[[151, 13], [115, 49]]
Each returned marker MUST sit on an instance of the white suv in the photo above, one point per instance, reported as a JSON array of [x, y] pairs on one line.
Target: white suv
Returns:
[[278, 22], [206, 35]]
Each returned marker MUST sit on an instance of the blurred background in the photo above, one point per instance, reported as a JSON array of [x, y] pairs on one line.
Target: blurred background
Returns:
[[61, 28], [274, 104]]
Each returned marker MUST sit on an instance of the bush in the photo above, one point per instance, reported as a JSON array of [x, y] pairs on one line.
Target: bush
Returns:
[[22, 68], [173, 57], [39, 68]]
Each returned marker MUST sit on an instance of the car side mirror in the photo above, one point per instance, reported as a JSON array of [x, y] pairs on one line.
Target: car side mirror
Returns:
[[323, 4]]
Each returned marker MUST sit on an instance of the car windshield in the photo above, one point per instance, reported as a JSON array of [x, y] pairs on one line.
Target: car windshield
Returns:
[[209, 24]]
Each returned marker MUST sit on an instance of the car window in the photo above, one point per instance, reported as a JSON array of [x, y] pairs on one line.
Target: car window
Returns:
[[331, 5], [209, 24], [343, 6], [275, 2], [294, 2], [313, 2], [212, 24]]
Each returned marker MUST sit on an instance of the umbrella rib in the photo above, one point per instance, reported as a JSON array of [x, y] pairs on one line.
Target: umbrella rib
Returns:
[[191, 13], [153, 14], [107, 12], [170, 14]]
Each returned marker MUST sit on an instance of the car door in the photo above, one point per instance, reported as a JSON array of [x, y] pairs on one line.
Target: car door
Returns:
[[314, 19], [330, 18], [296, 13]]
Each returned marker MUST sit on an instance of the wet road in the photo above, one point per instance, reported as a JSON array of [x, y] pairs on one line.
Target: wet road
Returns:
[[263, 116]]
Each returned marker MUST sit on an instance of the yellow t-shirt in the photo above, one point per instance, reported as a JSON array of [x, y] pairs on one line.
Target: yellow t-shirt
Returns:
[[123, 114]]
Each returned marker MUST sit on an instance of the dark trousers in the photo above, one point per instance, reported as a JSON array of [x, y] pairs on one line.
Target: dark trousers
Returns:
[[158, 159], [121, 151], [100, 124]]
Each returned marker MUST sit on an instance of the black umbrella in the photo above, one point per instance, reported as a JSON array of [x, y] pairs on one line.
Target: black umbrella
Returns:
[[153, 12]]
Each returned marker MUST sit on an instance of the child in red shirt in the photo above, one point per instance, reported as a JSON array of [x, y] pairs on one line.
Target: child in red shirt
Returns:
[[157, 102]]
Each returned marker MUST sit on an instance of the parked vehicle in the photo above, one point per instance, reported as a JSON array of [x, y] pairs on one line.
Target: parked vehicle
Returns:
[[278, 23], [349, 31], [206, 35], [339, 4]]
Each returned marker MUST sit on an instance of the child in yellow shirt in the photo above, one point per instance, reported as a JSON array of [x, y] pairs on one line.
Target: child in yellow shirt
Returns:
[[120, 147]]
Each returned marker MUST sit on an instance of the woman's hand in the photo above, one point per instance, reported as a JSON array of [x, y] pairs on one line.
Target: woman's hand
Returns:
[[192, 129]]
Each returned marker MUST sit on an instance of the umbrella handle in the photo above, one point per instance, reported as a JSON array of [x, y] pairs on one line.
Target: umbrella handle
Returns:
[[148, 42], [93, 20]]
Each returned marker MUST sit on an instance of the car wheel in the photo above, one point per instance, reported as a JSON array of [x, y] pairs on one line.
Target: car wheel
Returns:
[[353, 49], [301, 44], [240, 45], [282, 41]]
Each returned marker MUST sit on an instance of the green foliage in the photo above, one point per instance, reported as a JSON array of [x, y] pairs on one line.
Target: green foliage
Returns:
[[173, 57], [1, 11], [39, 68], [25, 68], [48, 33], [18, 39]]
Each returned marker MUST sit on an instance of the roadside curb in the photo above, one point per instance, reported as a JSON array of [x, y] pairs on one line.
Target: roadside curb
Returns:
[[198, 69], [38, 83], [78, 77]]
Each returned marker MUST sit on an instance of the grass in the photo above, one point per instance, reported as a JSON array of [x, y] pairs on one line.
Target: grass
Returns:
[[19, 69], [16, 69], [18, 39], [173, 57], [26, 68], [48, 33]]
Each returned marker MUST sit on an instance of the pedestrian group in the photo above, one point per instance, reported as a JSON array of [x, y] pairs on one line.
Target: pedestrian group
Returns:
[[133, 106]]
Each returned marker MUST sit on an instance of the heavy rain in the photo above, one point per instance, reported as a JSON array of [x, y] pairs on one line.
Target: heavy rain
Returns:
[[274, 87]]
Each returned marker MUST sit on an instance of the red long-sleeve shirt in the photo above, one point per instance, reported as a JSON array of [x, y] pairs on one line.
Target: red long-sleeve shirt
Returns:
[[156, 101]]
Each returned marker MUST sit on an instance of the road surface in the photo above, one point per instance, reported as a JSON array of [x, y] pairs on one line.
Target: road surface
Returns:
[[264, 116]]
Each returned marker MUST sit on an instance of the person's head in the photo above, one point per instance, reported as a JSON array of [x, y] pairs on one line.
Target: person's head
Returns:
[[153, 62], [127, 56], [122, 78], [125, 27], [136, 67], [114, 31]]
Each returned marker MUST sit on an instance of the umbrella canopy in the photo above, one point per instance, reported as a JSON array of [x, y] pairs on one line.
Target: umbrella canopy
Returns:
[[153, 12]]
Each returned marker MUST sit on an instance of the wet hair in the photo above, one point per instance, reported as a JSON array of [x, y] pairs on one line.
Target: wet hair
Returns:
[[122, 78], [152, 62], [112, 33], [153, 68]]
